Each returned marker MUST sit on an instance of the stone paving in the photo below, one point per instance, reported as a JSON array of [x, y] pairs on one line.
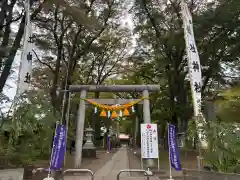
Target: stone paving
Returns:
[[110, 170], [11, 174]]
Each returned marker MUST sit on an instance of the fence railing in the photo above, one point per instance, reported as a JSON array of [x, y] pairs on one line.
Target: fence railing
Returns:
[[77, 171], [193, 174], [133, 170]]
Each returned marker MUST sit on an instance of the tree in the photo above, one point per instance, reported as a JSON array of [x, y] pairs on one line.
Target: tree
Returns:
[[31, 128], [10, 41], [224, 146], [78, 52], [71, 41], [161, 48], [227, 105]]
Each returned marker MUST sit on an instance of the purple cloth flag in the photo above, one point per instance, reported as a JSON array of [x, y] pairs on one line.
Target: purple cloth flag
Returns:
[[59, 147], [173, 148], [109, 142]]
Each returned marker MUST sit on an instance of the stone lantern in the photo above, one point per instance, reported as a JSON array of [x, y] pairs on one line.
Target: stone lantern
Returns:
[[89, 149]]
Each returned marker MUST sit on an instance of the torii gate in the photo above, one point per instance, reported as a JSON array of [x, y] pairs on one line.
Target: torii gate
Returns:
[[84, 89]]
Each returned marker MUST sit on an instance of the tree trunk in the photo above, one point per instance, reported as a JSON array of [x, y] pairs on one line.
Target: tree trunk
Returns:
[[9, 61], [3, 13]]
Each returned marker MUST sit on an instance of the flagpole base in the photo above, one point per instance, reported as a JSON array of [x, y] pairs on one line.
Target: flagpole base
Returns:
[[200, 162], [148, 172]]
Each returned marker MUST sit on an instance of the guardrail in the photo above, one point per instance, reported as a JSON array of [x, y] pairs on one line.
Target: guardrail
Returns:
[[41, 173], [79, 171], [133, 170]]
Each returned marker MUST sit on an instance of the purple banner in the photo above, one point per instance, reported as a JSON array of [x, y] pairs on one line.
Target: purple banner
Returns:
[[109, 142], [173, 148], [59, 147]]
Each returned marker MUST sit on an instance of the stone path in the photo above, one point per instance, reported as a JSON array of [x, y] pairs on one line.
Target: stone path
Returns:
[[110, 170], [13, 174]]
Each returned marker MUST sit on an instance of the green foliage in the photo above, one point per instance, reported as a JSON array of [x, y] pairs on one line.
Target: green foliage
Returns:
[[27, 135], [228, 105], [223, 151], [126, 126]]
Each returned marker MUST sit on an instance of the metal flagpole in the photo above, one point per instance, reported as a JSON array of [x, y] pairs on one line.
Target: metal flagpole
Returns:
[[67, 124], [169, 157], [63, 118], [51, 155]]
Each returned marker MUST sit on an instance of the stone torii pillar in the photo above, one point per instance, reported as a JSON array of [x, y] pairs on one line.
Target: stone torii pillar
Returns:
[[80, 130], [145, 89], [147, 119]]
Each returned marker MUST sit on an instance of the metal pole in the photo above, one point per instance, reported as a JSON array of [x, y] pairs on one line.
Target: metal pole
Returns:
[[64, 103], [147, 119], [68, 111], [170, 167], [118, 130], [141, 162], [136, 132], [67, 124], [199, 157], [50, 171], [169, 158], [80, 130]]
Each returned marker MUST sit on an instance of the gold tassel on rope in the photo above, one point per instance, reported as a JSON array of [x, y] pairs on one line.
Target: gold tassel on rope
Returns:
[[103, 113], [126, 112], [114, 115]]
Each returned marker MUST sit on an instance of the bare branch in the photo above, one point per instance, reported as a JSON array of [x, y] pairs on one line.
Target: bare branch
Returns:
[[46, 64]]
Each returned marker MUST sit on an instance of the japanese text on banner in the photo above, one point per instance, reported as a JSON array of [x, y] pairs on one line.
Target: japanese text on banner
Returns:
[[59, 147], [173, 148]]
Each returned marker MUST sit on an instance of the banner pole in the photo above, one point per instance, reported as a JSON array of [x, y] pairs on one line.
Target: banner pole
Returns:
[[51, 156], [169, 157], [108, 143], [67, 125], [170, 167]]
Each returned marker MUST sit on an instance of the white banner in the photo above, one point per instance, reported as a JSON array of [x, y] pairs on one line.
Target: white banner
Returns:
[[25, 69], [149, 141], [193, 59]]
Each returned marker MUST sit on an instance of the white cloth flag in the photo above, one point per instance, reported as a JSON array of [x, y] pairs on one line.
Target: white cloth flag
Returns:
[[25, 69], [193, 59]]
